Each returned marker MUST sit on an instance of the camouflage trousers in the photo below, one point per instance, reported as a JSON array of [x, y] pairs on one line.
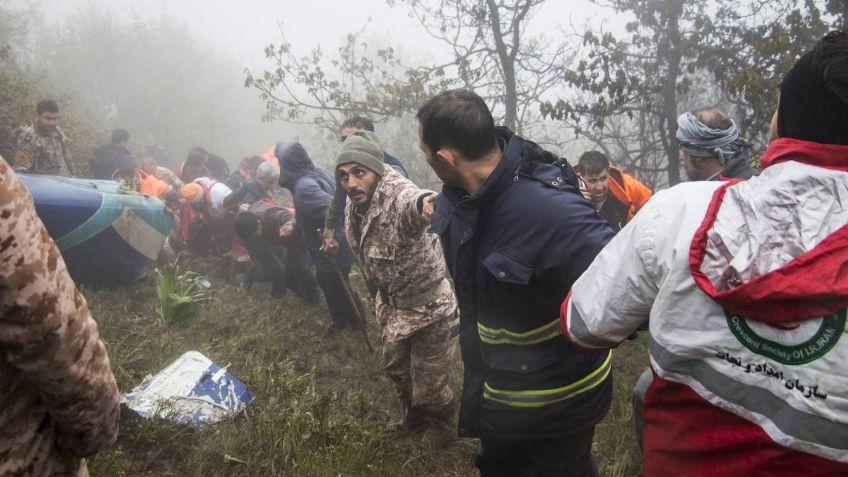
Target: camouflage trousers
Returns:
[[420, 368]]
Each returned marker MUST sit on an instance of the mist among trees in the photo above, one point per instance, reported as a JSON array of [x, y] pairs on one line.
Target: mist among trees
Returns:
[[150, 77], [591, 86]]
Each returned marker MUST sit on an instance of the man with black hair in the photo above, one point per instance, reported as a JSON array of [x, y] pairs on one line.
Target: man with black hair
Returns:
[[616, 195], [335, 214], [41, 147], [742, 285], [194, 166], [219, 167], [112, 157], [267, 231], [710, 146], [516, 232]]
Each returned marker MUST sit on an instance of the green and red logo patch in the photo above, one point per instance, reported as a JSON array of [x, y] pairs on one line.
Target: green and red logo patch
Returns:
[[801, 343]]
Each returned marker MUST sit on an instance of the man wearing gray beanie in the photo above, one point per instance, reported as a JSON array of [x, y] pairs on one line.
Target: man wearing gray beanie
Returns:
[[386, 222]]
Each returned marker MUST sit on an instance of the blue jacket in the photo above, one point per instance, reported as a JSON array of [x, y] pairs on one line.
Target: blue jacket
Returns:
[[312, 189], [514, 248]]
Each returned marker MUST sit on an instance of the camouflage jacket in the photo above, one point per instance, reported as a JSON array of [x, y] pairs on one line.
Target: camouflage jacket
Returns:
[[400, 258], [42, 153], [58, 397]]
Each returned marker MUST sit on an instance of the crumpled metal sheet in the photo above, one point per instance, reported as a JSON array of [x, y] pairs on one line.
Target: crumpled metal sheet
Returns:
[[192, 390]]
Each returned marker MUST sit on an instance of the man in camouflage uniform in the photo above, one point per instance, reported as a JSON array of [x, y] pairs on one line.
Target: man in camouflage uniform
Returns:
[[386, 226], [41, 148], [58, 397]]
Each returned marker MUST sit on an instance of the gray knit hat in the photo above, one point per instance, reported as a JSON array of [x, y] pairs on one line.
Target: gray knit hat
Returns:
[[363, 148]]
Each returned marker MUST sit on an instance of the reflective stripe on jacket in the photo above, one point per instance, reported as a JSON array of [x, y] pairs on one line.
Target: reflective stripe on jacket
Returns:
[[513, 249]]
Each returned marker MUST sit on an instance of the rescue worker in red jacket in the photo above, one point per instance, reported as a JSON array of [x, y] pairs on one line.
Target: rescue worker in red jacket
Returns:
[[743, 286]]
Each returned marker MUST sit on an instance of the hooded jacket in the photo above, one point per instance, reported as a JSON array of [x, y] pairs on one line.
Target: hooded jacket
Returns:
[[312, 189], [744, 287], [513, 248]]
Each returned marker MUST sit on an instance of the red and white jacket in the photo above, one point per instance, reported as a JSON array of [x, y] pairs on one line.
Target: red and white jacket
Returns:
[[745, 289]]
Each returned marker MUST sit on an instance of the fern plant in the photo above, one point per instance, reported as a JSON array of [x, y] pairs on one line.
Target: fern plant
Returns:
[[179, 293]]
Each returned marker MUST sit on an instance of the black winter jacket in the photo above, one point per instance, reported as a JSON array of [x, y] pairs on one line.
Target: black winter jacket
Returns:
[[514, 248]]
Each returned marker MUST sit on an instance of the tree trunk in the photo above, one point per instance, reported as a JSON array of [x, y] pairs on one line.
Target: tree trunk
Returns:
[[671, 51], [507, 59]]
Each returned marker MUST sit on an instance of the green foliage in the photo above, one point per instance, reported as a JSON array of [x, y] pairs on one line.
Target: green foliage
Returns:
[[179, 294], [750, 48], [678, 55], [22, 86], [358, 80], [491, 53]]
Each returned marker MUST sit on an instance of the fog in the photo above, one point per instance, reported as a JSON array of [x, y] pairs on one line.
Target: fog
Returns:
[[586, 76], [209, 105]]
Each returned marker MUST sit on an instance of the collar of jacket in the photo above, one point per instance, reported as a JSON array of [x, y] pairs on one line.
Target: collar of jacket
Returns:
[[829, 156], [453, 198]]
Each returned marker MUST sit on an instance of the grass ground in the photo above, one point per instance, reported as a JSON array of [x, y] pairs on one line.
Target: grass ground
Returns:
[[321, 403]]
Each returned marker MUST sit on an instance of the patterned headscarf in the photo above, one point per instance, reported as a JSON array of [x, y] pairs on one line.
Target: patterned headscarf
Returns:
[[700, 140]]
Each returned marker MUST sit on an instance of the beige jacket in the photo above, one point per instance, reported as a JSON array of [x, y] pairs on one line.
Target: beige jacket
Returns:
[[400, 258], [58, 397]]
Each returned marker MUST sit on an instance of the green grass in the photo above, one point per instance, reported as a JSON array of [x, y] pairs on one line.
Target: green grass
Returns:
[[322, 402]]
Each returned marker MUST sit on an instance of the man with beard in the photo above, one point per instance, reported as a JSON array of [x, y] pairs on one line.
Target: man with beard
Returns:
[[386, 225], [335, 214], [41, 148], [616, 195], [710, 146]]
